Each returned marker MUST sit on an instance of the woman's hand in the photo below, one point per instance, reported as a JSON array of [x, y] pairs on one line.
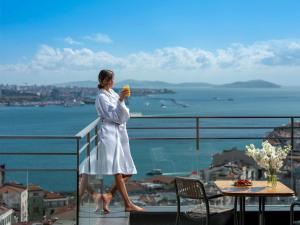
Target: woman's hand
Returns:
[[124, 94]]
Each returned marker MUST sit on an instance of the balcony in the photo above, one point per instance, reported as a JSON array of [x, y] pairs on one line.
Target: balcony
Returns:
[[42, 177]]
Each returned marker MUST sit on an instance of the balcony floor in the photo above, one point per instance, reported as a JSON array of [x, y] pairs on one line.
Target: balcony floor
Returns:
[[165, 215]]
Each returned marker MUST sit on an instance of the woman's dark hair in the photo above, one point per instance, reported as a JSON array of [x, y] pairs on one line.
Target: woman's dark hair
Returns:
[[105, 75]]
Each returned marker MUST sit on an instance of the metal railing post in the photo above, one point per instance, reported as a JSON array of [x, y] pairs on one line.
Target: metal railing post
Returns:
[[292, 133], [88, 149], [197, 133], [292, 158], [77, 175], [96, 141]]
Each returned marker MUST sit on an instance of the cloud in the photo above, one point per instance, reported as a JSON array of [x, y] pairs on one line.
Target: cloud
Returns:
[[268, 53], [49, 58], [99, 38], [172, 58], [71, 41], [236, 56], [264, 56]]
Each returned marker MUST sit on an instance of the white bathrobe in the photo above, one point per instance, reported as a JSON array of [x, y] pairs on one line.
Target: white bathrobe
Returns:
[[114, 150]]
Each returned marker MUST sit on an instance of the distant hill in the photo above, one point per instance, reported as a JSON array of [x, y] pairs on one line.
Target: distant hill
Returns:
[[194, 85], [144, 84], [135, 84], [162, 84], [251, 84]]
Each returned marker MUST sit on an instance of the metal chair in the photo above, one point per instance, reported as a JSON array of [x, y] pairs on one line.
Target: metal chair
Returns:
[[292, 213], [191, 188]]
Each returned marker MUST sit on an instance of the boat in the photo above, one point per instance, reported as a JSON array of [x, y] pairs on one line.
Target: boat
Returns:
[[223, 99], [42, 104], [163, 106], [177, 174], [154, 172], [136, 114]]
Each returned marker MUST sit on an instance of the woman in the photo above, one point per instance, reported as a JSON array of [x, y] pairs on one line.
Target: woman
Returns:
[[115, 157]]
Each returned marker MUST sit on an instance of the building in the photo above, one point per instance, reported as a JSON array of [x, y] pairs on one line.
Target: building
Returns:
[[27, 203], [2, 175], [6, 216], [35, 202], [15, 196], [135, 187], [233, 155], [280, 136], [160, 179], [232, 163], [53, 201]]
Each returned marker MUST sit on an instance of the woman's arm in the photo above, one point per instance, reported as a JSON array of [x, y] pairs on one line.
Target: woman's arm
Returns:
[[117, 114]]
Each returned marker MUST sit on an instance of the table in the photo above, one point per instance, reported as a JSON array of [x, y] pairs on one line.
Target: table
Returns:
[[258, 189]]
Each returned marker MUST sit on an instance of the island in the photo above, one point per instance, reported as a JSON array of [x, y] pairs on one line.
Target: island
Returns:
[[251, 84]]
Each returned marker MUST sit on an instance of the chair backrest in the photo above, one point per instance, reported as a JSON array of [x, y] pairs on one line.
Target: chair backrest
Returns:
[[190, 188]]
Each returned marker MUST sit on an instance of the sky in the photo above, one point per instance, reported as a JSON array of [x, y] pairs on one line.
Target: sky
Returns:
[[215, 41]]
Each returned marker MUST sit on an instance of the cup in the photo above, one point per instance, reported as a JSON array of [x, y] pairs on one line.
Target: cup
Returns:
[[127, 88]]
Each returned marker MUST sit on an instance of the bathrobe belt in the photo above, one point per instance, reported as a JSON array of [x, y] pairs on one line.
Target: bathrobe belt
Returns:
[[103, 120]]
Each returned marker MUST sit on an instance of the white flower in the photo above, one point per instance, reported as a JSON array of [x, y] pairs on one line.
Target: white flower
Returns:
[[268, 157]]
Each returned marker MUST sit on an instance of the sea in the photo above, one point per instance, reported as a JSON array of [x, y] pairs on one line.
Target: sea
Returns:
[[171, 156]]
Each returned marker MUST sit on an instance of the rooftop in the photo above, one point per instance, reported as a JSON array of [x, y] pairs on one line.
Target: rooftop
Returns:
[[3, 210], [53, 195], [11, 187]]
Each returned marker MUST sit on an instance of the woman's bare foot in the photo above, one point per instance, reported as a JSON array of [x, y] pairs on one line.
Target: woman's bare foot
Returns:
[[134, 208], [97, 198], [107, 197]]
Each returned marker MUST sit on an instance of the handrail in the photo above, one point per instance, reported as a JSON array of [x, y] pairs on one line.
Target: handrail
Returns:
[[38, 153], [43, 137], [87, 129], [214, 117], [38, 169], [208, 127], [212, 138]]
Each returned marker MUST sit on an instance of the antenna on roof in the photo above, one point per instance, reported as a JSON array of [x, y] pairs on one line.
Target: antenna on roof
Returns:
[[27, 179]]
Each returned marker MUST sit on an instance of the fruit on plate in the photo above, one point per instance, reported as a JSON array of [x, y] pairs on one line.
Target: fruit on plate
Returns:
[[242, 183]]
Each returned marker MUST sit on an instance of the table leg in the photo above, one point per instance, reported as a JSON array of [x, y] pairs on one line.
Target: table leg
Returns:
[[262, 210], [235, 211], [242, 210]]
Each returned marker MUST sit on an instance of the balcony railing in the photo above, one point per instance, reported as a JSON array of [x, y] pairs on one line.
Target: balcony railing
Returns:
[[195, 133]]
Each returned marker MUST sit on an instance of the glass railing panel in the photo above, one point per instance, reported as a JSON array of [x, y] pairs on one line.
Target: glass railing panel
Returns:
[[39, 178], [40, 196], [157, 163]]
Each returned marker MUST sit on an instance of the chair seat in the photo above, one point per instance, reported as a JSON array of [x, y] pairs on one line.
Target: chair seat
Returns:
[[199, 212]]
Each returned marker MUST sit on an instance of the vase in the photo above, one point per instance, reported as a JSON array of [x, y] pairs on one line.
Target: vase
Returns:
[[271, 180]]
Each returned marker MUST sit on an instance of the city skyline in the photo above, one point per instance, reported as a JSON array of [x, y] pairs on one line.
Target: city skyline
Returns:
[[212, 41]]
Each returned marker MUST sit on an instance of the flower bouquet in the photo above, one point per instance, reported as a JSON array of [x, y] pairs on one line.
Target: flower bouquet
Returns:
[[269, 158]]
